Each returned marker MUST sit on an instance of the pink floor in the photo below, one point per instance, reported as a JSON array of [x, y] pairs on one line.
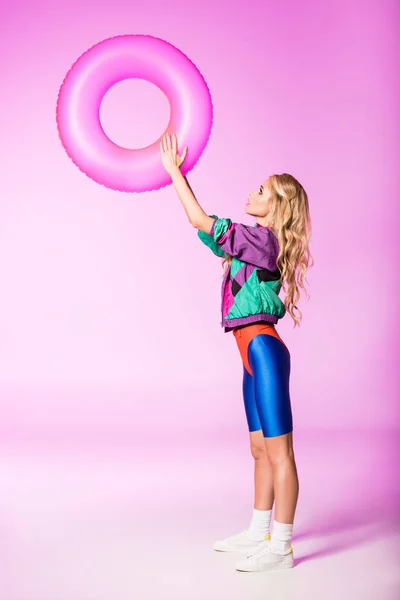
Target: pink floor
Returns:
[[87, 522]]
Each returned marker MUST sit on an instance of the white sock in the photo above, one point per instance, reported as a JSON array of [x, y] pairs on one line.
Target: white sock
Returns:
[[281, 537], [259, 526]]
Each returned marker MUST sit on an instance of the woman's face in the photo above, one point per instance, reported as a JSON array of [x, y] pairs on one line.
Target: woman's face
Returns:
[[258, 201]]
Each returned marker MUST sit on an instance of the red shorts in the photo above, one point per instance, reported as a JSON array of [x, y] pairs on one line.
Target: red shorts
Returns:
[[246, 333]]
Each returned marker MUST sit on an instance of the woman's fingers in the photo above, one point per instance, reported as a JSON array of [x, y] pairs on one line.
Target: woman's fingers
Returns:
[[183, 156], [169, 149], [169, 142], [174, 142]]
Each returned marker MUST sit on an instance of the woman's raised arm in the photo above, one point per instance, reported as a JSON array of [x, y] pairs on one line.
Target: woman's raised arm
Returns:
[[172, 162]]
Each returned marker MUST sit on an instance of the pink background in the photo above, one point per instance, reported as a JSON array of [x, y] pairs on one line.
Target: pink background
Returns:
[[107, 296], [110, 334]]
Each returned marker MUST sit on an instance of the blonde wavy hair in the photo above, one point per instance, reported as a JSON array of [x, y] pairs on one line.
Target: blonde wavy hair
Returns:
[[289, 215]]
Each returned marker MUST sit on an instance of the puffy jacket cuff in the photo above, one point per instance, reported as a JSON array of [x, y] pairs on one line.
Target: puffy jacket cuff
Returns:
[[220, 228]]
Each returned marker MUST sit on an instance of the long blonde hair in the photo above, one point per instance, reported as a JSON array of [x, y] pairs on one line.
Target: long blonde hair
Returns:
[[289, 212]]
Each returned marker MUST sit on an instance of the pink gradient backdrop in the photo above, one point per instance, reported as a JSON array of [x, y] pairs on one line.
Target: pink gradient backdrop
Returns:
[[123, 441], [109, 320]]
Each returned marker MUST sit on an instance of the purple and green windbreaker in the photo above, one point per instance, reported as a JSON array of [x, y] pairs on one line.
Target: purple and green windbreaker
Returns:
[[250, 287]]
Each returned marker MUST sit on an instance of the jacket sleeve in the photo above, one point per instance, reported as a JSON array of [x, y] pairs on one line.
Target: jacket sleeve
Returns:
[[208, 240], [255, 245]]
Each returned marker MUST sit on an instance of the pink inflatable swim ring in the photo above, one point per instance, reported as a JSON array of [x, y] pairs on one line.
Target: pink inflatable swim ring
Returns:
[[87, 82]]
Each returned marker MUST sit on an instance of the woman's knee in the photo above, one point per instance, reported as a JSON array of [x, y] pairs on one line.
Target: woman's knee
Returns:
[[278, 458], [257, 445], [279, 449]]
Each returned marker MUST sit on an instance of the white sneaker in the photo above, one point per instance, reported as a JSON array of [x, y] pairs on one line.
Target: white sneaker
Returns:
[[266, 560], [239, 541]]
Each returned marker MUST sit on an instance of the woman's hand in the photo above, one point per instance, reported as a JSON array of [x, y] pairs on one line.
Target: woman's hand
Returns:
[[169, 154]]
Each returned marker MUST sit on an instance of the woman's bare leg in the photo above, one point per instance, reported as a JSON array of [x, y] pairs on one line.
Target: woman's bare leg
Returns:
[[280, 454], [263, 473]]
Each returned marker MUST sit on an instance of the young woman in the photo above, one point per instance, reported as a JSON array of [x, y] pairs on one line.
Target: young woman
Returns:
[[258, 260]]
